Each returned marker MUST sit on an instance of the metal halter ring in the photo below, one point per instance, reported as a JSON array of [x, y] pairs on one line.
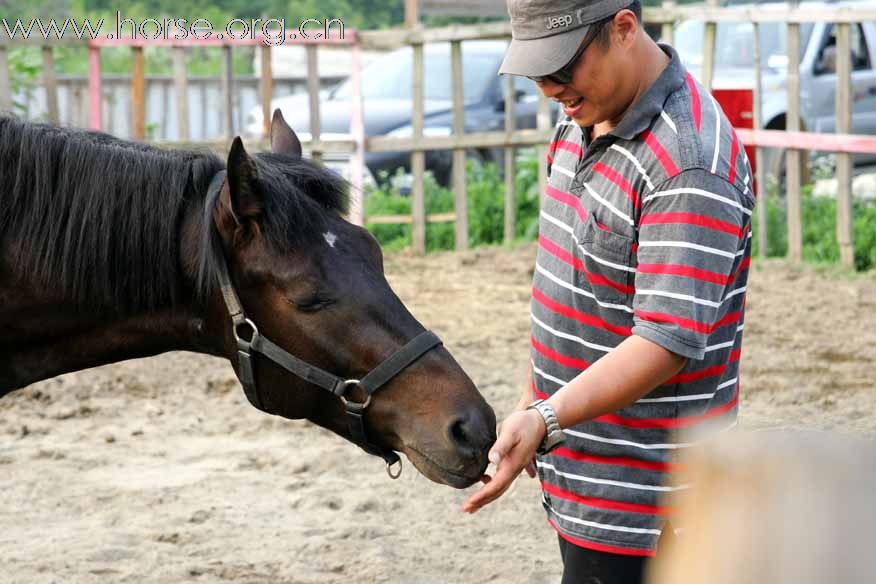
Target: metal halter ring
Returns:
[[394, 475], [242, 342], [351, 404]]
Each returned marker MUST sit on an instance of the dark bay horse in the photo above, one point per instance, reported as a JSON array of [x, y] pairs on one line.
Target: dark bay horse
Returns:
[[112, 250]]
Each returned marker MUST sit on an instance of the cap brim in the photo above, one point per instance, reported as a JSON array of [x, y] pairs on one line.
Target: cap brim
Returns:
[[537, 57]]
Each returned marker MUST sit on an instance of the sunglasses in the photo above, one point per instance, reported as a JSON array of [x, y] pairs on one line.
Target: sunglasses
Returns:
[[563, 76]]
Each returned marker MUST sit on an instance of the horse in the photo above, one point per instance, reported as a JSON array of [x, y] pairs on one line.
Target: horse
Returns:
[[113, 250]]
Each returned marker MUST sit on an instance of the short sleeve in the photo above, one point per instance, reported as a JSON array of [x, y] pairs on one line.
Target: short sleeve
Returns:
[[693, 243]]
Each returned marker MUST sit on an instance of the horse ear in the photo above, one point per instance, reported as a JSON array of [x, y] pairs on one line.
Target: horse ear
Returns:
[[283, 139], [241, 200]]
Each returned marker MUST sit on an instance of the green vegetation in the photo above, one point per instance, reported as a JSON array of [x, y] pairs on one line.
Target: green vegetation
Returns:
[[486, 208], [819, 230]]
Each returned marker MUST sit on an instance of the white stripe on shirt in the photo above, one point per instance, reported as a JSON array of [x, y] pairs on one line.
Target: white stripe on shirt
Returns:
[[559, 282], [668, 121], [629, 156], [699, 192], [568, 229], [570, 337], [717, 134], [608, 205], [688, 245], [596, 525], [637, 486]]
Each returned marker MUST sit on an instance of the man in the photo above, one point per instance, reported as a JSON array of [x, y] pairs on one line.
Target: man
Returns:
[[639, 284]]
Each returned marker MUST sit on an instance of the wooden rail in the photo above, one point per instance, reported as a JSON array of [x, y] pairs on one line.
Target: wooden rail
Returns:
[[793, 140]]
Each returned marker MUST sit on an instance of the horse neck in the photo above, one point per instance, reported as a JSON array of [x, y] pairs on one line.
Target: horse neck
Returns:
[[44, 336]]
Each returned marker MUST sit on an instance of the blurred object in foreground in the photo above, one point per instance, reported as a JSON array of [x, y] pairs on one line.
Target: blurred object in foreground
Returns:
[[774, 507]]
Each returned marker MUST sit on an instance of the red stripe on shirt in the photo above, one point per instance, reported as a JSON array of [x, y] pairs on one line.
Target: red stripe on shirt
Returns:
[[601, 547], [598, 503], [691, 219], [680, 422], [660, 152], [557, 357], [689, 323], [696, 273], [566, 199], [702, 373], [694, 101], [579, 316], [568, 147], [595, 279], [622, 183], [656, 466], [734, 152]]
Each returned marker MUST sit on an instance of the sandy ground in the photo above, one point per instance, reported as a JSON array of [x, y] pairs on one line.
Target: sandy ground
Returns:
[[157, 471]]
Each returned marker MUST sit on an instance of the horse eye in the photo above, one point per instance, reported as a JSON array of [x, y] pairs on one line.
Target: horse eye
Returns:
[[312, 303]]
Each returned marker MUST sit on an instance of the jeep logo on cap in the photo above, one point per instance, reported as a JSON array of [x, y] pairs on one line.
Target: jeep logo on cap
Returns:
[[552, 22]]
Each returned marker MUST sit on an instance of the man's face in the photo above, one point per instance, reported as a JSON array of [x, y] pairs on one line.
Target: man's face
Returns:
[[599, 89]]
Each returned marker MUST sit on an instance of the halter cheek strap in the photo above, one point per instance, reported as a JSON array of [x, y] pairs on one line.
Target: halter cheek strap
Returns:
[[250, 342]]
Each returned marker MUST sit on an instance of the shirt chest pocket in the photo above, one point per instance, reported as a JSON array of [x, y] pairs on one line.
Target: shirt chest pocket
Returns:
[[606, 259]]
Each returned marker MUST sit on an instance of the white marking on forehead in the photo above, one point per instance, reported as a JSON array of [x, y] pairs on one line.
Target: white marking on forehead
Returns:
[[330, 238]]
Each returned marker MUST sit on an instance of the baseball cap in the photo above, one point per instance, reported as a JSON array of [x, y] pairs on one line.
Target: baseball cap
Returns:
[[545, 34]]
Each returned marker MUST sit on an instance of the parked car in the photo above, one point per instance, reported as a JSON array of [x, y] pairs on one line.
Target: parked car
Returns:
[[734, 69], [387, 105]]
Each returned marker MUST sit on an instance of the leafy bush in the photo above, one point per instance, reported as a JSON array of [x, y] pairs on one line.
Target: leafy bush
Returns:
[[819, 229], [486, 208]]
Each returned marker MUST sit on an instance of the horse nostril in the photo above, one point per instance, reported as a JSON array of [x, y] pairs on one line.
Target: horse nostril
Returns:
[[468, 436]]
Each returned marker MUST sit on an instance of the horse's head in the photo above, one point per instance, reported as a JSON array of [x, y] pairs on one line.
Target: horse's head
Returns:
[[313, 284]]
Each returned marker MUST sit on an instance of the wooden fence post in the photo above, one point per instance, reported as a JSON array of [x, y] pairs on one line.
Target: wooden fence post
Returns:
[[510, 166], [418, 158], [50, 85], [181, 88], [460, 195], [357, 129], [138, 94], [667, 30], [266, 88], [313, 102], [227, 98], [94, 91], [543, 122], [709, 49], [760, 171], [844, 196], [793, 157], [5, 84]]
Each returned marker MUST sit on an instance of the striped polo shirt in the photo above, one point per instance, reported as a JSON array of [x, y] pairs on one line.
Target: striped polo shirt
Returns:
[[645, 231]]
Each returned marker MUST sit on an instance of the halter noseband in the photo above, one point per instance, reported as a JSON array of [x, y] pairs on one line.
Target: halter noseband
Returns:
[[250, 342]]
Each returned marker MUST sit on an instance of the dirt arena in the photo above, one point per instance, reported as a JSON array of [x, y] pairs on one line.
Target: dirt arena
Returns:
[[158, 471]]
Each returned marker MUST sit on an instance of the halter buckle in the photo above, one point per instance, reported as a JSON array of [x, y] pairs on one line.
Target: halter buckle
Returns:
[[351, 405], [242, 343], [394, 474]]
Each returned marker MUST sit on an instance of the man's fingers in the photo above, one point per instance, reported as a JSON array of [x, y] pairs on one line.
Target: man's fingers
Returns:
[[493, 488], [503, 445]]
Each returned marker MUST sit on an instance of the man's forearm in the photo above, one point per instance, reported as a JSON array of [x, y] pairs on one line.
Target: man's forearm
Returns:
[[631, 370]]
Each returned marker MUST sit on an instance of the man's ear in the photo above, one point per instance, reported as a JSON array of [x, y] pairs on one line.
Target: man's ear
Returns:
[[283, 139], [240, 202], [626, 27]]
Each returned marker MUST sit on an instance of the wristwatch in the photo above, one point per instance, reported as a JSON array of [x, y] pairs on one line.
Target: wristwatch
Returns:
[[554, 435]]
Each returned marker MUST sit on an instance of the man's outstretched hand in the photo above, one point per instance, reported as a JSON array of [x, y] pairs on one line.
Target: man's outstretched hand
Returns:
[[519, 437]]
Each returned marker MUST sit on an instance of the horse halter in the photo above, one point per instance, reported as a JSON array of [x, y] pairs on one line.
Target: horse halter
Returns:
[[250, 342]]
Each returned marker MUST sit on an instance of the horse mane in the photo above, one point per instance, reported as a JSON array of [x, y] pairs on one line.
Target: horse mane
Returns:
[[96, 219]]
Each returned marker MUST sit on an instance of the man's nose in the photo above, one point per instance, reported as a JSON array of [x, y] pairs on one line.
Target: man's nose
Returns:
[[549, 88]]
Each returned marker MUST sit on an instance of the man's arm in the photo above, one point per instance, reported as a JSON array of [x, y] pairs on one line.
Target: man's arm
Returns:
[[620, 378]]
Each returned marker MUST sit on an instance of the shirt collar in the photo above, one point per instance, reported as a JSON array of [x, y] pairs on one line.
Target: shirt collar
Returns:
[[650, 104]]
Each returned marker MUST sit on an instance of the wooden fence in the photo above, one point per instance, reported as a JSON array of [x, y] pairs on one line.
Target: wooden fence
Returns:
[[511, 138]]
